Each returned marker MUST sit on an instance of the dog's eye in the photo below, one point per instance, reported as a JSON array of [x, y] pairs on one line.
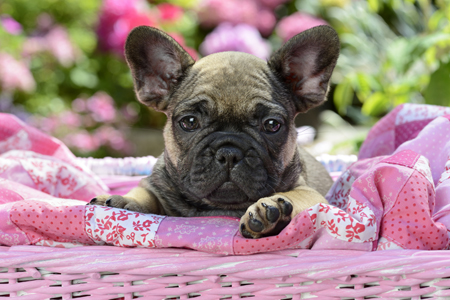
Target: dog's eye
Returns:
[[272, 126], [189, 123]]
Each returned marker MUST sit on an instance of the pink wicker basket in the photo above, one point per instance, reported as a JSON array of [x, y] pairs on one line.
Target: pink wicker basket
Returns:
[[106, 272]]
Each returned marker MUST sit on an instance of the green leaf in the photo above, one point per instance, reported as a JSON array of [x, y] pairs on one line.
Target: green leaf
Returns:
[[343, 96], [374, 5], [438, 90], [365, 84], [84, 39], [404, 52], [423, 44], [436, 19], [83, 78], [376, 104]]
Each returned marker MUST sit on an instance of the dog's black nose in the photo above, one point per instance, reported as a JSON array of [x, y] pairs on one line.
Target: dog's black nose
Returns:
[[229, 155]]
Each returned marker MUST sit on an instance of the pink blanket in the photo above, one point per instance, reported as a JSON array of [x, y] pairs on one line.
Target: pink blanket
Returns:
[[396, 196]]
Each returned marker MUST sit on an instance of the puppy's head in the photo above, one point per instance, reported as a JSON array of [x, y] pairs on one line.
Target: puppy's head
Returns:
[[230, 135]]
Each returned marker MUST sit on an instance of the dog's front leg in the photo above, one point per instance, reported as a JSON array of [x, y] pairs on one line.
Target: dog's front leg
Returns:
[[139, 199], [268, 216]]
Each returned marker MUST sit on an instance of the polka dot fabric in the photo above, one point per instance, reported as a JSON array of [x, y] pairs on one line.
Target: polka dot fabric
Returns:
[[405, 158], [404, 123], [297, 231], [209, 234], [408, 131], [409, 222], [7, 196], [44, 221]]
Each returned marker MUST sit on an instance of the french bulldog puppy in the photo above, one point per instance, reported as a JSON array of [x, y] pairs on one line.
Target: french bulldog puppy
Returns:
[[230, 138]]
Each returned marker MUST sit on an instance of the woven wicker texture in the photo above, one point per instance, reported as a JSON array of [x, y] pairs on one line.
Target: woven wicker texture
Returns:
[[103, 272]]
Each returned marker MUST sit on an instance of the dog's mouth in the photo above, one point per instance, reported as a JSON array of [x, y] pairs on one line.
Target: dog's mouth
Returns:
[[228, 193]]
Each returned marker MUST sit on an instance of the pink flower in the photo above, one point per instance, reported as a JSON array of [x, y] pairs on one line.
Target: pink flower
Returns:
[[48, 124], [169, 12], [59, 44], [107, 135], [296, 23], [117, 18], [101, 106], [213, 12], [103, 134], [79, 105], [82, 140], [265, 21], [51, 38], [70, 118], [15, 74], [10, 25], [242, 38]]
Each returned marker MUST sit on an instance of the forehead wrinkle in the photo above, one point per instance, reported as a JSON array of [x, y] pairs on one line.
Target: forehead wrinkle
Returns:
[[244, 110], [234, 74], [240, 95], [232, 82], [273, 106], [260, 79], [189, 104]]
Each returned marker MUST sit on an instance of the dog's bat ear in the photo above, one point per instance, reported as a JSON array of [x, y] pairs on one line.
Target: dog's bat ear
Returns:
[[157, 64], [305, 64]]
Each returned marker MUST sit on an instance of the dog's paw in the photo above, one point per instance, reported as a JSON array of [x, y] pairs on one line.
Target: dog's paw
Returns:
[[266, 217], [118, 202]]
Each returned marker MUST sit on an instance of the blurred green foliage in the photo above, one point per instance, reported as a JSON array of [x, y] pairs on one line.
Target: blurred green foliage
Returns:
[[393, 52]]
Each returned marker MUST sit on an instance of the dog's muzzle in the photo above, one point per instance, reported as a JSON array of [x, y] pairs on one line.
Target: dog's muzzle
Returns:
[[229, 153]]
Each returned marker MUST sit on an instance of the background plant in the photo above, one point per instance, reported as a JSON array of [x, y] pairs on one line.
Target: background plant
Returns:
[[62, 67], [393, 52]]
